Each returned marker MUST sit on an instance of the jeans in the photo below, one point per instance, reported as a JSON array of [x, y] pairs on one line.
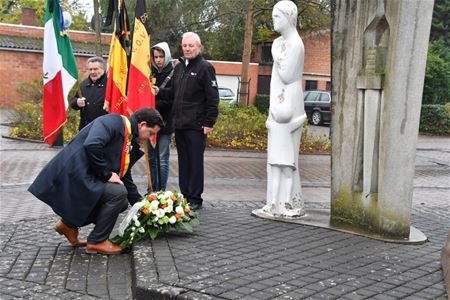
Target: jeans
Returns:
[[163, 147]]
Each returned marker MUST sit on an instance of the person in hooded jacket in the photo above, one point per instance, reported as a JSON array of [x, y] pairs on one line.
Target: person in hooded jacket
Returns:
[[91, 96], [162, 71]]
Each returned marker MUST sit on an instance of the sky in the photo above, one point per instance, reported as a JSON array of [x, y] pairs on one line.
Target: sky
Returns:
[[88, 7]]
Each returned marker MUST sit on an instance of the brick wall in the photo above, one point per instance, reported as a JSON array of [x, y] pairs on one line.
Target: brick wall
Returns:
[[38, 32], [318, 53], [235, 68], [317, 65], [17, 66]]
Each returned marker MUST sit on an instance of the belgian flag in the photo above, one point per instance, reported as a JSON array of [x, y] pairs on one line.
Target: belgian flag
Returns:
[[139, 86], [115, 98]]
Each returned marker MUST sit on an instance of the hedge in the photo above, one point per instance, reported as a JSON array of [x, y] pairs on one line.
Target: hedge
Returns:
[[435, 119], [262, 103]]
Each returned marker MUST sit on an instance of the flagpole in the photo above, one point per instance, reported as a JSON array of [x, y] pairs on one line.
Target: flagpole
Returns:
[[80, 94], [147, 167]]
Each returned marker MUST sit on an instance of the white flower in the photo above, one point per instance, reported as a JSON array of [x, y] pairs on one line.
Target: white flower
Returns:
[[137, 223], [133, 228], [160, 213], [141, 230], [135, 218], [168, 209], [154, 204], [168, 194], [172, 220], [179, 210], [169, 202]]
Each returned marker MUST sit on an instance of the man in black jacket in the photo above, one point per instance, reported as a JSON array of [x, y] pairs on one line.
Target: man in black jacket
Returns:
[[93, 89], [90, 180], [194, 113]]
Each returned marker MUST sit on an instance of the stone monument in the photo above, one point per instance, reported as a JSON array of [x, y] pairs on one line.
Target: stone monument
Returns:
[[286, 116], [379, 56]]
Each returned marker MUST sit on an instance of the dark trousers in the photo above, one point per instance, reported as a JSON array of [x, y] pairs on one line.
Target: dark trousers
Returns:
[[191, 147], [104, 216]]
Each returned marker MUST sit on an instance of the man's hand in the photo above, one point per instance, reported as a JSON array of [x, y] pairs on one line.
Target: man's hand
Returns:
[[115, 178], [207, 130], [81, 102]]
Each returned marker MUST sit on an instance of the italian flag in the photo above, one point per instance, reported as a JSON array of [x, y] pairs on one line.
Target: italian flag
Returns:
[[60, 71]]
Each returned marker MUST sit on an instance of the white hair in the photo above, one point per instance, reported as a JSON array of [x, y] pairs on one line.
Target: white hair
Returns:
[[194, 35], [99, 60]]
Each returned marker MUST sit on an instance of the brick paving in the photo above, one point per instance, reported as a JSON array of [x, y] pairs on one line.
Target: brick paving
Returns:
[[231, 254]]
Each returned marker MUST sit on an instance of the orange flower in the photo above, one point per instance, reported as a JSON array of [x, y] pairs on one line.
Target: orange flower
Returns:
[[178, 216], [164, 205], [173, 198], [187, 210], [145, 211], [151, 197]]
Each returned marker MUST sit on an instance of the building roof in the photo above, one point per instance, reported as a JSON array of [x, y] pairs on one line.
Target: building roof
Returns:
[[36, 45]]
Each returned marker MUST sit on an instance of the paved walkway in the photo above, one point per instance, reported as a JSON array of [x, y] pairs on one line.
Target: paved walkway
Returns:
[[231, 255]]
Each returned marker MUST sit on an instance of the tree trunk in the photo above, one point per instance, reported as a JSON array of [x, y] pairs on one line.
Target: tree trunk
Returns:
[[98, 41], [245, 80]]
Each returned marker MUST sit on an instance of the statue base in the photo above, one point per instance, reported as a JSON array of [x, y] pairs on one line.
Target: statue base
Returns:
[[321, 218]]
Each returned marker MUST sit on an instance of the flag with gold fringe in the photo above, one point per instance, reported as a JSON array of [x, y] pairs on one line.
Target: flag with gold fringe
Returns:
[[140, 93], [115, 98]]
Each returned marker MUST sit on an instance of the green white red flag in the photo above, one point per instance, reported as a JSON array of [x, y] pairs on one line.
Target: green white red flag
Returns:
[[60, 71]]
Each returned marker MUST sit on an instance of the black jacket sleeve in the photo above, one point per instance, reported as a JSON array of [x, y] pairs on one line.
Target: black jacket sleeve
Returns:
[[211, 94]]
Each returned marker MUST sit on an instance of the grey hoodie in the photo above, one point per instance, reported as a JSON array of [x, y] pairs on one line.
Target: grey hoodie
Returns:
[[168, 57]]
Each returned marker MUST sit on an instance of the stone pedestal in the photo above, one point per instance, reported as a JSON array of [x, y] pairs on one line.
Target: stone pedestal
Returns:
[[445, 260], [379, 58]]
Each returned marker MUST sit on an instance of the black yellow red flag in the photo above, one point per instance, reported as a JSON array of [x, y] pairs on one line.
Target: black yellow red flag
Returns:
[[115, 98], [139, 86]]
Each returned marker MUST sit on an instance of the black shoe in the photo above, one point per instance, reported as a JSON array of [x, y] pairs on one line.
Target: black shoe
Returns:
[[195, 206]]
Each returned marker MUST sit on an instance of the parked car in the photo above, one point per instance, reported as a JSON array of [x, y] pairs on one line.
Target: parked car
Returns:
[[318, 106], [226, 94]]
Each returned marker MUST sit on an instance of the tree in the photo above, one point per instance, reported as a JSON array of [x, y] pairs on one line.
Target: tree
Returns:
[[11, 12], [440, 26], [437, 76], [220, 23], [245, 84]]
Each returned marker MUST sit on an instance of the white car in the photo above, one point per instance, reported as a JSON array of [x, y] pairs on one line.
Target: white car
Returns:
[[226, 94]]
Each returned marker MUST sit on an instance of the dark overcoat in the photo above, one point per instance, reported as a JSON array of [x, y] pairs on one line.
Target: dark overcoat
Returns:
[[74, 180], [94, 92]]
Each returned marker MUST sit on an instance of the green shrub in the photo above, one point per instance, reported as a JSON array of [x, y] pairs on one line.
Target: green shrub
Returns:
[[262, 103], [27, 114], [437, 76], [435, 119], [243, 127], [239, 127]]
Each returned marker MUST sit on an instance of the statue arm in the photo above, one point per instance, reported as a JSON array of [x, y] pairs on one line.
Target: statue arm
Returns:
[[297, 122]]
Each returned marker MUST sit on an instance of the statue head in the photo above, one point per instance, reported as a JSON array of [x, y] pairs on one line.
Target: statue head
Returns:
[[284, 14]]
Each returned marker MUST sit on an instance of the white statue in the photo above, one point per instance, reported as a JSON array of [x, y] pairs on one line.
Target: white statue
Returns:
[[286, 115]]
